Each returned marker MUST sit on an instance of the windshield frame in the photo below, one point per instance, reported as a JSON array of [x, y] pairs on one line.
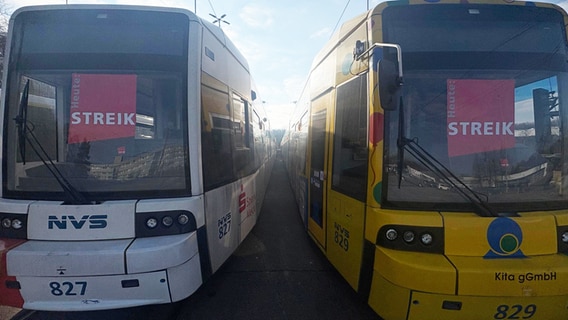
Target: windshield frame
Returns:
[[443, 62], [97, 63]]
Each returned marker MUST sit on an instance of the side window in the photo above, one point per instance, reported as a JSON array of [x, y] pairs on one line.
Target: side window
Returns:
[[243, 153], [258, 138], [239, 119], [248, 126], [216, 134], [302, 134], [350, 151]]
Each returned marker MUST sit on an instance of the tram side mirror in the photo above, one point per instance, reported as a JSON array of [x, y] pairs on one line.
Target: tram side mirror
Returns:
[[389, 85]]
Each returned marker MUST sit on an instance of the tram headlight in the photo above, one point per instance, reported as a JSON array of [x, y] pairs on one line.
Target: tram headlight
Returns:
[[562, 240], [183, 219], [429, 239], [167, 221], [408, 236], [17, 224], [164, 223], [562, 234], [151, 223], [565, 237], [391, 234], [13, 225], [426, 239], [6, 223]]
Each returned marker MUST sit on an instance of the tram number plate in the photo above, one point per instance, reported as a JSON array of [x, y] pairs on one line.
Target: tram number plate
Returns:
[[515, 311], [67, 288]]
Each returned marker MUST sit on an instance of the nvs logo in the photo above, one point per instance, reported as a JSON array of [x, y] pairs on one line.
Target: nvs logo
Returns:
[[95, 222]]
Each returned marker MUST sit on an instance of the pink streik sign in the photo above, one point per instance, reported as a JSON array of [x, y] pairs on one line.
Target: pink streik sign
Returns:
[[480, 116], [103, 107]]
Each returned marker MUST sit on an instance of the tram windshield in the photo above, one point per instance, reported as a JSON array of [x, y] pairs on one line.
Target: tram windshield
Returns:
[[95, 101], [486, 96]]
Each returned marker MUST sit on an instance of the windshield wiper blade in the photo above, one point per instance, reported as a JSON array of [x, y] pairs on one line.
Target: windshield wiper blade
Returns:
[[21, 120], [400, 142], [26, 134], [429, 161], [74, 196]]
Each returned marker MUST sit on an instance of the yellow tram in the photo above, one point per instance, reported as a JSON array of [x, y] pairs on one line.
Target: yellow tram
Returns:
[[428, 157]]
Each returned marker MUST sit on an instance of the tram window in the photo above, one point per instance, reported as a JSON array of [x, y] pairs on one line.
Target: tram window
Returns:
[[350, 150], [258, 139], [243, 153], [239, 123], [216, 135]]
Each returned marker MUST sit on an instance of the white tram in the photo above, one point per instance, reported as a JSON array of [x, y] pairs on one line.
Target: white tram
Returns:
[[135, 155]]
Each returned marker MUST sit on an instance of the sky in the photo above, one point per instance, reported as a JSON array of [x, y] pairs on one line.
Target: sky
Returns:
[[279, 39]]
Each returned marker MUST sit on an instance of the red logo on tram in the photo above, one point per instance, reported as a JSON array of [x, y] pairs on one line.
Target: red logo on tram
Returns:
[[242, 200]]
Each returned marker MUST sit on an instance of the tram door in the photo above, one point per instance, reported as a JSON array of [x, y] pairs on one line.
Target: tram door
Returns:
[[318, 142]]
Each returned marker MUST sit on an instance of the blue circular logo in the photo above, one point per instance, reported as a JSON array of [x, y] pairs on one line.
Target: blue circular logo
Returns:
[[504, 236]]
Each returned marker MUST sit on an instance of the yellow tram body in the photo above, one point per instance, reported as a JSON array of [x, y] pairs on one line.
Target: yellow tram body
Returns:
[[502, 266]]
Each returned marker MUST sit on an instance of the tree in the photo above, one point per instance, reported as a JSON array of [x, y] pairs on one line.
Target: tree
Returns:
[[5, 12], [4, 20]]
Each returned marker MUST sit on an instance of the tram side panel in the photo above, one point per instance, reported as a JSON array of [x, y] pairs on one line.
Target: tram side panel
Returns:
[[235, 163]]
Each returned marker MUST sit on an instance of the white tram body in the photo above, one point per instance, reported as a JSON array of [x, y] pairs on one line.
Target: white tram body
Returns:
[[128, 230]]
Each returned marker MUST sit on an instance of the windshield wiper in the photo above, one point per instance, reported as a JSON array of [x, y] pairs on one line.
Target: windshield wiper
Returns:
[[26, 134], [21, 120], [400, 141], [429, 161]]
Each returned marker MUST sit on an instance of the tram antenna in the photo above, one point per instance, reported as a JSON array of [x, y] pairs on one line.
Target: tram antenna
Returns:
[[217, 20], [220, 19]]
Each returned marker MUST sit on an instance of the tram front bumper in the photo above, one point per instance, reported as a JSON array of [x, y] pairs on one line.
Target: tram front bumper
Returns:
[[411, 285], [96, 275], [446, 307]]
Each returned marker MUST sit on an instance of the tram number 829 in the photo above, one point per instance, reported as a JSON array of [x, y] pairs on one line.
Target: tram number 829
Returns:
[[516, 311], [341, 237]]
